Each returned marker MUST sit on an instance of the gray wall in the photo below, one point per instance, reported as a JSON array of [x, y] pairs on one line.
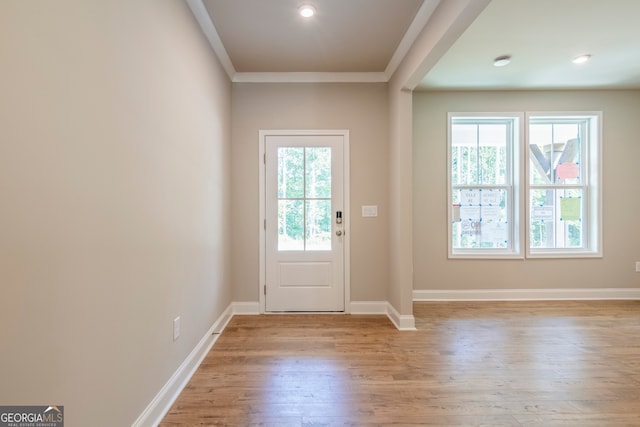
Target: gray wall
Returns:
[[114, 187], [360, 108], [621, 175]]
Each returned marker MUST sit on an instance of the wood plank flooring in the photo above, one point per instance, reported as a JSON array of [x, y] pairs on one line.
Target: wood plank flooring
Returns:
[[524, 364]]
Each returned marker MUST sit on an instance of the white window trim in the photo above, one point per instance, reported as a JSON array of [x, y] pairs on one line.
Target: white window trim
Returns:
[[516, 230], [593, 164]]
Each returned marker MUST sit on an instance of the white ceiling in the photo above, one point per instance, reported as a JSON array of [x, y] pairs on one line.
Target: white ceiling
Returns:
[[543, 36], [364, 40]]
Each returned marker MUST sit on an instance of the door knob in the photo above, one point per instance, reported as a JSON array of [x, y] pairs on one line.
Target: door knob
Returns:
[[339, 233]]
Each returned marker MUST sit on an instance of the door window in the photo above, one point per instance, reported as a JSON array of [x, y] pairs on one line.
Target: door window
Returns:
[[304, 199]]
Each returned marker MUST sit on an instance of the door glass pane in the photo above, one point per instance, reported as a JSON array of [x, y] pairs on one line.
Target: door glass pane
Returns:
[[318, 172], [290, 172], [290, 225], [304, 198], [318, 224]]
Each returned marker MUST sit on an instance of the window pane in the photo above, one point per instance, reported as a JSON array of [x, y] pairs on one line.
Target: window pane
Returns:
[[493, 152], [480, 218], [570, 229], [290, 225], [542, 219], [318, 172], [464, 154], [556, 218], [290, 172], [554, 153], [541, 153], [568, 169], [318, 225], [479, 153]]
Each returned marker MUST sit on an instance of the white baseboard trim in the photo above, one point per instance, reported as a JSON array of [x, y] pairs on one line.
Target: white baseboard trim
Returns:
[[161, 403], [369, 307], [246, 307], [402, 322], [526, 294]]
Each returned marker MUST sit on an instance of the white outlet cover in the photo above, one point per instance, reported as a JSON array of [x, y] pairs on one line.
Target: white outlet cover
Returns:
[[176, 328]]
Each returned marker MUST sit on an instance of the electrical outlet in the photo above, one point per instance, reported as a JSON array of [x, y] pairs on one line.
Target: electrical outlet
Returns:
[[176, 328], [637, 266]]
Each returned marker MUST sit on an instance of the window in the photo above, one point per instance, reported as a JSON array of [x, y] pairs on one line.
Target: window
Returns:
[[563, 174], [484, 185], [560, 184]]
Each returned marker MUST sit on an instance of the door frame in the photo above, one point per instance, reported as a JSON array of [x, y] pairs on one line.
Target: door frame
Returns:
[[263, 134]]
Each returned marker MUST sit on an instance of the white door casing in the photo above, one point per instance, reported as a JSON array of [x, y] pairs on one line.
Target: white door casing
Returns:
[[304, 238]]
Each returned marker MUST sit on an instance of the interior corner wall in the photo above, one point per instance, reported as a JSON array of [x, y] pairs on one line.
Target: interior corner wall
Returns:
[[621, 151], [360, 108], [400, 174], [114, 185]]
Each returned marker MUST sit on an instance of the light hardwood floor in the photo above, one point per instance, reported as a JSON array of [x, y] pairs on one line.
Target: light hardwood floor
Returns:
[[468, 364]]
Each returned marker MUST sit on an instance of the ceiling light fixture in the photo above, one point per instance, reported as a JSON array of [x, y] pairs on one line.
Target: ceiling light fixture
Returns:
[[501, 61], [581, 59], [306, 11]]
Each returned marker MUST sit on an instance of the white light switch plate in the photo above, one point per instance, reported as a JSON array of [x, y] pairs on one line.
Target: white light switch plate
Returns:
[[370, 211]]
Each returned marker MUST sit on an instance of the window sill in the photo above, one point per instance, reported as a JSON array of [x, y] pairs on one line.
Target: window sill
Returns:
[[564, 254]]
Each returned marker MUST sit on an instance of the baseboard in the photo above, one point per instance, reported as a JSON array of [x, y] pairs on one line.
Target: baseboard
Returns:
[[369, 307], [402, 322], [246, 307], [161, 403], [526, 294]]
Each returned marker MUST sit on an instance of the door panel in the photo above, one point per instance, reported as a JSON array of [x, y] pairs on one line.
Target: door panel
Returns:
[[304, 239]]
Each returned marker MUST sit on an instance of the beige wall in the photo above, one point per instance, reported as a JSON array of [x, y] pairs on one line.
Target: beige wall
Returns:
[[621, 152], [114, 190], [360, 108]]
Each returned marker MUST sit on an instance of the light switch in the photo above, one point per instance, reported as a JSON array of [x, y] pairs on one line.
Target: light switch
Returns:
[[370, 211]]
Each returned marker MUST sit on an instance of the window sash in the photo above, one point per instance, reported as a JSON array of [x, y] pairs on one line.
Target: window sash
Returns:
[[588, 125], [503, 181]]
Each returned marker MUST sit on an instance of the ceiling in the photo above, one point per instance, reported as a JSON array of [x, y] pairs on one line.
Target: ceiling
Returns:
[[365, 40], [542, 37], [344, 35]]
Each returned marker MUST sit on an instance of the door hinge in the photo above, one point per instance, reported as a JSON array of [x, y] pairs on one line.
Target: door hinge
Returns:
[[265, 289], [265, 224], [264, 158]]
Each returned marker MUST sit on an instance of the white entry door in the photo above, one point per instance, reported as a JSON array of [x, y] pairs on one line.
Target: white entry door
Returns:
[[305, 222]]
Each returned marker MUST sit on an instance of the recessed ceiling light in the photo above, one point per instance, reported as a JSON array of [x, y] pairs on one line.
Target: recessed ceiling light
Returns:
[[581, 59], [501, 61], [306, 11]]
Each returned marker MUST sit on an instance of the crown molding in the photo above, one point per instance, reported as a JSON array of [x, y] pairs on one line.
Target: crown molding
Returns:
[[312, 77], [201, 14], [417, 25]]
